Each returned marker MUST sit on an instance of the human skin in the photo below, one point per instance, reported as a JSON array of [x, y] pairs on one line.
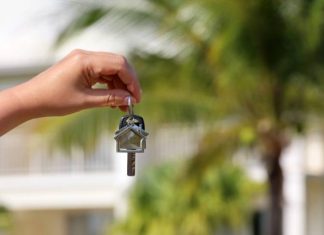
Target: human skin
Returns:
[[67, 87]]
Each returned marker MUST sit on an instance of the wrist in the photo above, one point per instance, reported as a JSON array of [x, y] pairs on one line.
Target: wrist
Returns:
[[12, 111], [24, 97]]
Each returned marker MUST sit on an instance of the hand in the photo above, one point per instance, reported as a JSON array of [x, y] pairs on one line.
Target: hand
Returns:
[[67, 87]]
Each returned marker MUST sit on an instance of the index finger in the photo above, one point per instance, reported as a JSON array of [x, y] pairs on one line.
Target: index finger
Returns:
[[107, 64]]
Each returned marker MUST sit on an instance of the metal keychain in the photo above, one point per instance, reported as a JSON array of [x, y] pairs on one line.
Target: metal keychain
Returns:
[[131, 137]]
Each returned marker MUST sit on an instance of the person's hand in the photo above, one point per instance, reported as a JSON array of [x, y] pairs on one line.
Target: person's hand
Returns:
[[67, 87]]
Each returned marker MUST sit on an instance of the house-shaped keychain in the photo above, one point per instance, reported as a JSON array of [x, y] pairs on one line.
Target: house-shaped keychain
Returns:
[[131, 139]]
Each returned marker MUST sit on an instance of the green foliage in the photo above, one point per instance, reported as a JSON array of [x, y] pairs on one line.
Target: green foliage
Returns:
[[171, 91], [168, 200], [198, 196], [5, 220]]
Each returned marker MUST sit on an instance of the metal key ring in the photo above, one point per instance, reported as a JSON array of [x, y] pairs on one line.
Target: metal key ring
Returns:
[[130, 106]]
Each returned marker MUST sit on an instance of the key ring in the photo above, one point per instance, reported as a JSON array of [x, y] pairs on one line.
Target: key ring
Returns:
[[130, 106]]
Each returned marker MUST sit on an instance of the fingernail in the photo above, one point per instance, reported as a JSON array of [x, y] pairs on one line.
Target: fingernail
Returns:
[[133, 101]]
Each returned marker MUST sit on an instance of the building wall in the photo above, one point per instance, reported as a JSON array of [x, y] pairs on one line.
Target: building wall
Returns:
[[62, 222], [39, 223], [314, 183], [315, 205]]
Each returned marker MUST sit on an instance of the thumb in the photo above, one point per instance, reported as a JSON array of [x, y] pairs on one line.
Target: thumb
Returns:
[[108, 97]]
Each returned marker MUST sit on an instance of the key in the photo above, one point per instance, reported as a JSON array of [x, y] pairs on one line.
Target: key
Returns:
[[131, 137], [129, 144]]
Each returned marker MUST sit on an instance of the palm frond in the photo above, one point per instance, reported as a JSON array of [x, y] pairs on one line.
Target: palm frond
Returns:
[[82, 129], [80, 22]]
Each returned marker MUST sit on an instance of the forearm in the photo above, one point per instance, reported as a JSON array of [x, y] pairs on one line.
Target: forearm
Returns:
[[13, 110]]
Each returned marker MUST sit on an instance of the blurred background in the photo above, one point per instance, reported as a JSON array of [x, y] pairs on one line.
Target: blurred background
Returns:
[[232, 99]]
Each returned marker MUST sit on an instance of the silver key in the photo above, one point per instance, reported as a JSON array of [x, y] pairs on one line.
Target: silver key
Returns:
[[131, 137]]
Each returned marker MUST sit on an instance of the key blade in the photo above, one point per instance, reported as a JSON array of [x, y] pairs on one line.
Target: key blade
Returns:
[[131, 164]]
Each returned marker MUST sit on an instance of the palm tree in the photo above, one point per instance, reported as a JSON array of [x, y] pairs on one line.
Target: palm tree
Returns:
[[254, 64]]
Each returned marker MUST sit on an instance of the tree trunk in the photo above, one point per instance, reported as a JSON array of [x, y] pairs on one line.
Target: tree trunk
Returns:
[[275, 178]]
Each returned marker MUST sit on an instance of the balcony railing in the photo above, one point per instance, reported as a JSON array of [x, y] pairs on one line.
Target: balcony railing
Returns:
[[27, 153]]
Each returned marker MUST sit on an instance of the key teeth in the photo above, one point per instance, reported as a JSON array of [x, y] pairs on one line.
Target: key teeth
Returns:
[[130, 164]]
